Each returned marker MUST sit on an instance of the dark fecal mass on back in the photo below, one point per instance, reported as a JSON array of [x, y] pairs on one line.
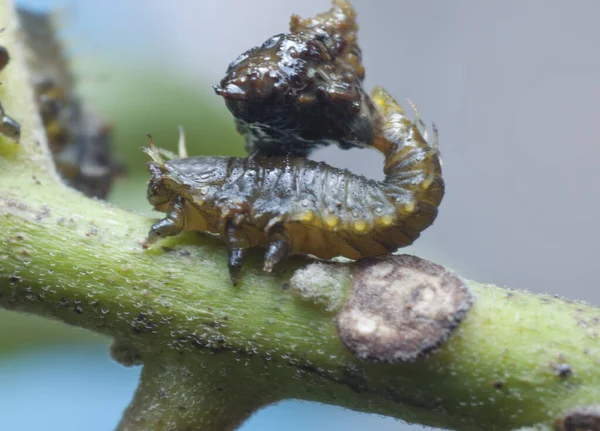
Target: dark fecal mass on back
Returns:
[[303, 89]]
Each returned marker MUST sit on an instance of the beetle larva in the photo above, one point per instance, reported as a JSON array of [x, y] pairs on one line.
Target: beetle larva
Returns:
[[302, 89], [293, 205], [79, 139]]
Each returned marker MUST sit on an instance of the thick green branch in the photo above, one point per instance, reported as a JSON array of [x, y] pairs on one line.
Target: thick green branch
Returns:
[[516, 360], [81, 261], [189, 397]]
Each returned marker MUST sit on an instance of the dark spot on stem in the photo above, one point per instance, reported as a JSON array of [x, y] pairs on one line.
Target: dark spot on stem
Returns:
[[498, 384], [563, 370], [14, 279], [92, 230], [44, 213]]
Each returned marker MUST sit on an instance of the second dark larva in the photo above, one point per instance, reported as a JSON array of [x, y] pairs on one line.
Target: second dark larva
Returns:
[[79, 139], [293, 205]]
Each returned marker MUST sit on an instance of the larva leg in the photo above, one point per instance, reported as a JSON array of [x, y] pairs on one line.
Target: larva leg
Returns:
[[171, 225], [238, 245], [279, 248], [237, 256]]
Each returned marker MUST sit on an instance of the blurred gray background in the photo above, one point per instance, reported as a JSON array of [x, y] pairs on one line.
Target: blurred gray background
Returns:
[[512, 85]]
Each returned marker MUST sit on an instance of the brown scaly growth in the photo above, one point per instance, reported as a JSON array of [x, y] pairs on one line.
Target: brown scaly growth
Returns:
[[78, 137], [302, 89], [293, 205]]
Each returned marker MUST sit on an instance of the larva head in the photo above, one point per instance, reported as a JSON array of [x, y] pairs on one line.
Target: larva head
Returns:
[[302, 86], [158, 193], [180, 176]]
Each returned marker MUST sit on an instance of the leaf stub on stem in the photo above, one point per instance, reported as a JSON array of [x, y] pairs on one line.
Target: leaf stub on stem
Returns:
[[401, 307], [323, 283]]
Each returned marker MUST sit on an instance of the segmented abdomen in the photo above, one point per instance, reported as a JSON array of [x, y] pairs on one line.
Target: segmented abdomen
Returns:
[[324, 211]]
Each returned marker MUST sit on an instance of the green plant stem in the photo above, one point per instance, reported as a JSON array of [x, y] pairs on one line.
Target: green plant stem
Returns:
[[81, 261], [213, 353], [196, 393]]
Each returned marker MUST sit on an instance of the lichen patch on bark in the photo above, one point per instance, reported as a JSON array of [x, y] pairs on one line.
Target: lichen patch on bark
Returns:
[[401, 307]]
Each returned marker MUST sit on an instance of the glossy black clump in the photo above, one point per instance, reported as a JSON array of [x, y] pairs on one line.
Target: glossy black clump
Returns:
[[302, 89]]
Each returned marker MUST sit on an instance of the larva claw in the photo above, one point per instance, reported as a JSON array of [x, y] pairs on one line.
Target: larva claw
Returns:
[[235, 263], [162, 229], [171, 225], [278, 250]]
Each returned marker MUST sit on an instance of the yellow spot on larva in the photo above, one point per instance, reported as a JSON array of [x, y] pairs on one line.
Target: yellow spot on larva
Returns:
[[425, 184], [409, 207], [331, 220], [308, 216], [360, 225], [386, 220]]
